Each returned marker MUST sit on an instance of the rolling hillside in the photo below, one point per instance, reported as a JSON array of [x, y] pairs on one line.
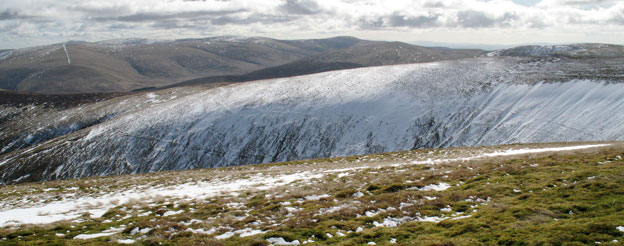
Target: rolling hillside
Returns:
[[122, 65], [468, 102], [366, 55], [131, 64], [392, 53]]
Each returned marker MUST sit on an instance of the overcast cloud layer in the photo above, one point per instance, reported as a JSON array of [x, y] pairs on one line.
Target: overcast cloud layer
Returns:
[[36, 22]]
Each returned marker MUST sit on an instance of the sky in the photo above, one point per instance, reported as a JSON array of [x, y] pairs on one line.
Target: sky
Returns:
[[26, 23]]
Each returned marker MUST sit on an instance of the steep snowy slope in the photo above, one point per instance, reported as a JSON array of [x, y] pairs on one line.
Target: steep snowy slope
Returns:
[[481, 101]]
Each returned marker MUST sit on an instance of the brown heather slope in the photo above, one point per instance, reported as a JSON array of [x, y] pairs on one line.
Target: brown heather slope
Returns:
[[125, 65], [391, 53], [113, 66], [366, 55]]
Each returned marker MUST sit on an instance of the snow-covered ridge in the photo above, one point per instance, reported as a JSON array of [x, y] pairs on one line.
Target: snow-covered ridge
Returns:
[[570, 50], [37, 51], [131, 41], [484, 101]]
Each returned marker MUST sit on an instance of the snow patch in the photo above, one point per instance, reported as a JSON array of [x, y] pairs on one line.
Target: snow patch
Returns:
[[461, 217], [126, 241], [509, 152], [249, 232], [169, 213], [105, 233], [281, 241], [434, 187], [316, 197], [392, 222], [202, 231]]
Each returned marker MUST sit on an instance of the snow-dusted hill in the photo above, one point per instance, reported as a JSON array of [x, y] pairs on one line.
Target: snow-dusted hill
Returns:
[[482, 101], [570, 50]]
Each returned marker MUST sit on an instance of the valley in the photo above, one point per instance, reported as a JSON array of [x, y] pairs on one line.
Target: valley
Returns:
[[328, 149], [466, 102], [309, 122]]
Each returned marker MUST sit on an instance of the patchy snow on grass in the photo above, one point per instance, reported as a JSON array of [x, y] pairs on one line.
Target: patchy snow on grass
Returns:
[[281, 241], [226, 235], [169, 213], [508, 152], [95, 235], [249, 232], [392, 222], [316, 197], [137, 230], [332, 209], [434, 219], [434, 187], [73, 207], [126, 241], [241, 233], [541, 150], [358, 194], [69, 209], [202, 231], [461, 217], [191, 222], [405, 205], [105, 233], [292, 209]]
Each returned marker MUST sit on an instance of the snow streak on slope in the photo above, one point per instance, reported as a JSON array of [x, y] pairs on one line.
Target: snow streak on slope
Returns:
[[67, 54], [460, 103]]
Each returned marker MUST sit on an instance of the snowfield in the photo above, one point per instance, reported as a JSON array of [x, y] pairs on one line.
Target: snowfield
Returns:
[[471, 102], [71, 207]]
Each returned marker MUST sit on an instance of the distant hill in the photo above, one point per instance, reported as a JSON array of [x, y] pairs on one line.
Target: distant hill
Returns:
[[58, 101], [364, 55], [392, 53], [570, 51], [123, 65], [490, 47], [296, 68]]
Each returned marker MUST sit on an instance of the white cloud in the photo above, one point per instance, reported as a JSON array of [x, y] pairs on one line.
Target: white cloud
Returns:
[[104, 19]]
